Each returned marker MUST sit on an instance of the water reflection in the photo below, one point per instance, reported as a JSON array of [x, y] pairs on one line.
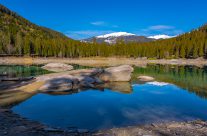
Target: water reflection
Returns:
[[10, 98], [193, 79], [122, 87], [96, 109], [9, 93], [115, 104], [22, 71]]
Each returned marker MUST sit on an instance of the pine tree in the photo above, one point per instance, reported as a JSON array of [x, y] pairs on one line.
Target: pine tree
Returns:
[[19, 44]]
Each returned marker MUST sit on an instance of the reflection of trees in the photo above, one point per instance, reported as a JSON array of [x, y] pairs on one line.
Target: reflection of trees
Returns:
[[22, 71], [193, 79]]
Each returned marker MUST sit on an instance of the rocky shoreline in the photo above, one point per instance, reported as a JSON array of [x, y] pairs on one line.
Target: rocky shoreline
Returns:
[[191, 128], [99, 62], [12, 124]]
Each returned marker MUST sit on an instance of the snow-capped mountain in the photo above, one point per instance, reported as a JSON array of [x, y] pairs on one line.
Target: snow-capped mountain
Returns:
[[118, 34], [112, 38], [157, 37]]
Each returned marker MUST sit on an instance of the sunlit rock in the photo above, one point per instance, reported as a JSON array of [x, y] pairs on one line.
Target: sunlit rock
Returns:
[[115, 74], [57, 67], [69, 80]]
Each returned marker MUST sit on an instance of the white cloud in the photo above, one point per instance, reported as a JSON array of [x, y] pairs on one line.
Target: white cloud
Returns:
[[159, 30], [160, 27], [99, 23], [103, 23]]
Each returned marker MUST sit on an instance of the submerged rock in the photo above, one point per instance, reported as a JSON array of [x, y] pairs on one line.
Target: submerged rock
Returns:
[[146, 78], [115, 74], [57, 67]]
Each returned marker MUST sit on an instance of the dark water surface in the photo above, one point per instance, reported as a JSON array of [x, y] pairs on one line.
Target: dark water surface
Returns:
[[178, 94]]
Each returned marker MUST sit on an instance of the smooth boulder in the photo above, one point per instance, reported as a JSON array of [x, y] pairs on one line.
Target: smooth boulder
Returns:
[[58, 83], [70, 80], [58, 67], [117, 74]]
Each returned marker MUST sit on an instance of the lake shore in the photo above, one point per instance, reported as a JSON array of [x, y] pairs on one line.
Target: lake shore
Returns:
[[100, 61], [12, 124]]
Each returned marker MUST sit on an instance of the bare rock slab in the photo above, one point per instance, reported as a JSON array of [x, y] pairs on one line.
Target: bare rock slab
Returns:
[[63, 81], [57, 67]]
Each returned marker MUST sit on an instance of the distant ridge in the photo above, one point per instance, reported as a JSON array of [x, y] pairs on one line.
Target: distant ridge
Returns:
[[112, 38]]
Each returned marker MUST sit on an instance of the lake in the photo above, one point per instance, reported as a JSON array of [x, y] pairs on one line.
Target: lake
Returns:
[[178, 94]]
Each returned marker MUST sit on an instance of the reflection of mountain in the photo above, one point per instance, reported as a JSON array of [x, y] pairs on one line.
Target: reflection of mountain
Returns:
[[190, 78]]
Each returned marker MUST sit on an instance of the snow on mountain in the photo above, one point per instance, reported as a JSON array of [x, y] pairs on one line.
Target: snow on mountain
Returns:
[[117, 34], [112, 38], [157, 37]]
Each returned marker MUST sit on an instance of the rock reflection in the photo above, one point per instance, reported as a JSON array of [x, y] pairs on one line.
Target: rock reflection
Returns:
[[122, 87], [192, 79], [22, 91], [9, 98]]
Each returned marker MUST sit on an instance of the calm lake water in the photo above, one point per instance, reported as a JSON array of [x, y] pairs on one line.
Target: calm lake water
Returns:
[[178, 94]]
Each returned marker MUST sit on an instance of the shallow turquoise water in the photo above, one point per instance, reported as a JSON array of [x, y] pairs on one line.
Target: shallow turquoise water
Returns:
[[22, 71]]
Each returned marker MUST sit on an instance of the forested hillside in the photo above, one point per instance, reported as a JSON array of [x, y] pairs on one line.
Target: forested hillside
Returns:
[[20, 37]]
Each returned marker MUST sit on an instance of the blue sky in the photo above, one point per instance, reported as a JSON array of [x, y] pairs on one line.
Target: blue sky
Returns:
[[85, 18]]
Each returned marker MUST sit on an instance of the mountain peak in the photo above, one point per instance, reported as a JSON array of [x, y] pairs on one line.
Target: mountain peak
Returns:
[[157, 37], [116, 34]]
